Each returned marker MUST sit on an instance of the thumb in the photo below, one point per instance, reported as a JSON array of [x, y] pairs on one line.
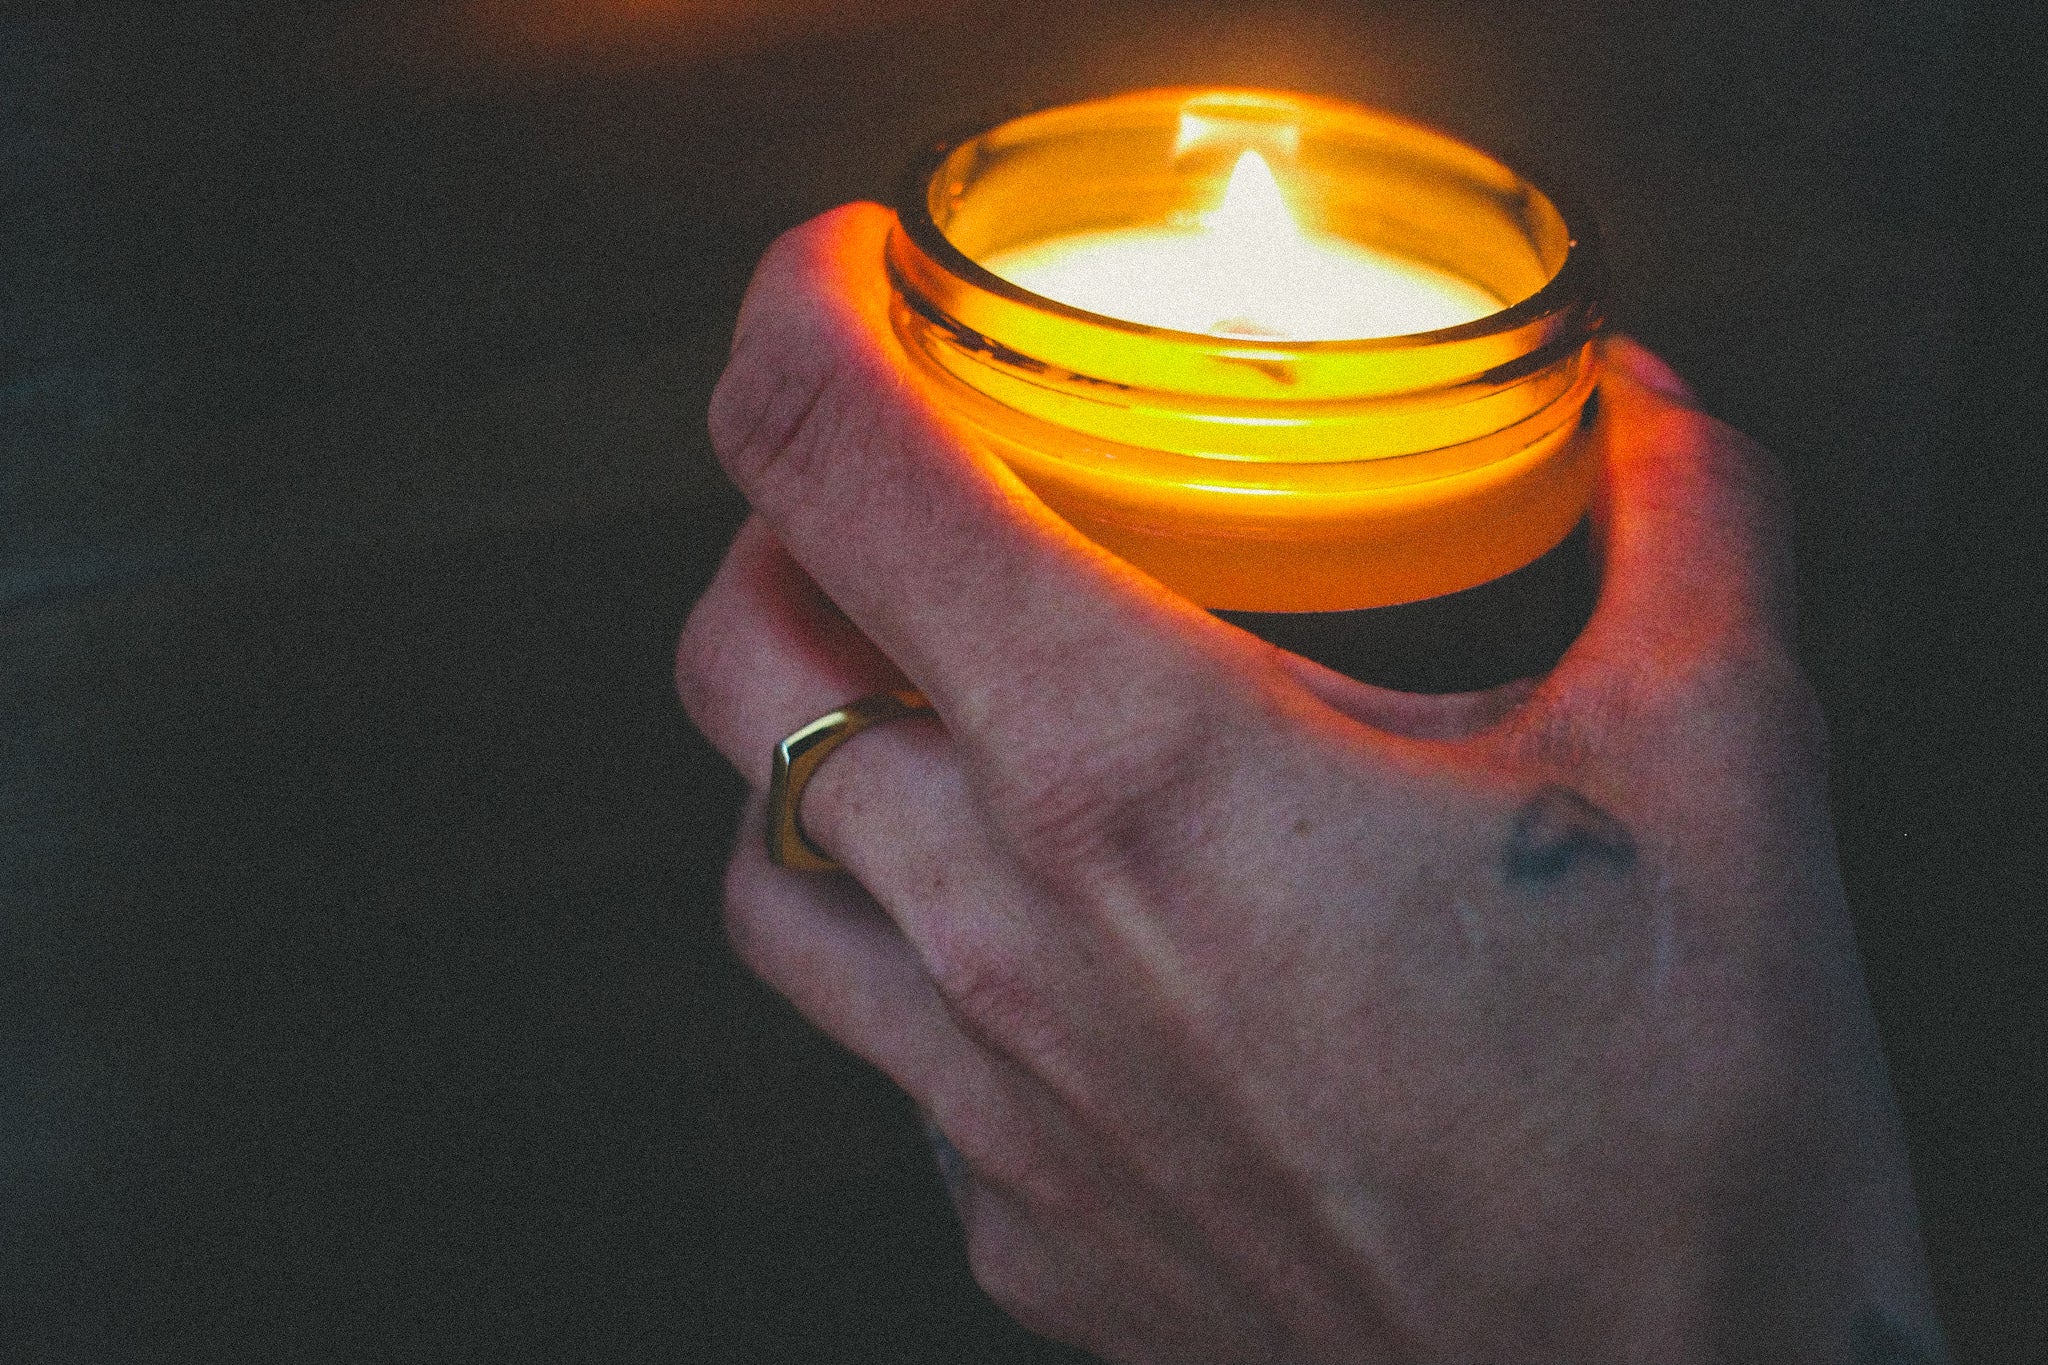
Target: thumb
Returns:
[[1691, 520]]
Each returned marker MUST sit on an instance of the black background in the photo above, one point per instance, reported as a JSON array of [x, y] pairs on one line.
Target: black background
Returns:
[[361, 990]]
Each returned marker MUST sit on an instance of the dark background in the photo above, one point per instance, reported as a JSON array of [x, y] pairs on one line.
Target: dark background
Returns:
[[361, 990]]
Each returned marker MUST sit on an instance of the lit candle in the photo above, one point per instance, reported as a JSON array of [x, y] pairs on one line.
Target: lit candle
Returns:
[[1282, 353], [1246, 268]]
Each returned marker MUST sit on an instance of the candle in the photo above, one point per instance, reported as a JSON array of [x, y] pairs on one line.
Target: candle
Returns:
[[1246, 268], [1285, 354]]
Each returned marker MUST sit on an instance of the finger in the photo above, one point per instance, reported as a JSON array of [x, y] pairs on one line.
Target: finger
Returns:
[[764, 651], [1097, 1262], [992, 605], [825, 946], [828, 948], [1691, 523], [1008, 1155], [1068, 1242]]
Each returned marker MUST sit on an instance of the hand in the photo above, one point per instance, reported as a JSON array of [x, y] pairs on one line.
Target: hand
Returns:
[[1278, 1017]]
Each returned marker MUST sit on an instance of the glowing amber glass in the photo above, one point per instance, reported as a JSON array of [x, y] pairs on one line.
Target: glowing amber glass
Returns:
[[1251, 473]]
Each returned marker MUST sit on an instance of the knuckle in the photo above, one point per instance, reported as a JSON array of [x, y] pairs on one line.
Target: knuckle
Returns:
[[996, 1002], [787, 388], [770, 414], [1130, 804]]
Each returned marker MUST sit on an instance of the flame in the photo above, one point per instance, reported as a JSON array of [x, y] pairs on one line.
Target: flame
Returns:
[[1245, 267], [1256, 253], [1253, 214]]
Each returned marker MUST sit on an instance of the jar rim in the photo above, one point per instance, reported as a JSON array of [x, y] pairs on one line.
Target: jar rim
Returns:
[[1568, 296]]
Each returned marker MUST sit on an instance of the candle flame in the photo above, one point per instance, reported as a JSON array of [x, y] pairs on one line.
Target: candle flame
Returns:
[[1255, 249], [1254, 212], [1246, 267]]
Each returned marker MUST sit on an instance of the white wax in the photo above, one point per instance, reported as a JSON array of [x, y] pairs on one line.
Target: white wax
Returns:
[[1245, 269]]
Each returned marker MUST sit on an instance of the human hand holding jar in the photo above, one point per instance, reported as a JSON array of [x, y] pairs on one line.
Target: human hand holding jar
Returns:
[[1273, 1016]]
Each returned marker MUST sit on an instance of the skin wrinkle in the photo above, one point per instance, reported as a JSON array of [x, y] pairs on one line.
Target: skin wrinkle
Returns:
[[1559, 728], [849, 424], [746, 445], [1090, 811]]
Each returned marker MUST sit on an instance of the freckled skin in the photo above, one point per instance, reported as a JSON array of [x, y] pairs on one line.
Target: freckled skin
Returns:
[[1268, 1016]]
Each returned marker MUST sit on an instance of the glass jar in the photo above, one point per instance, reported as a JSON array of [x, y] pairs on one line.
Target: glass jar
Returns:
[[1247, 472]]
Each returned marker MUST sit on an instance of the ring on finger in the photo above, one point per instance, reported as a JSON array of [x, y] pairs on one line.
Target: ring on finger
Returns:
[[799, 756]]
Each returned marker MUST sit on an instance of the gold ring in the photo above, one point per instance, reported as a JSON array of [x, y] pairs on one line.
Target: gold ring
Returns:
[[798, 756]]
